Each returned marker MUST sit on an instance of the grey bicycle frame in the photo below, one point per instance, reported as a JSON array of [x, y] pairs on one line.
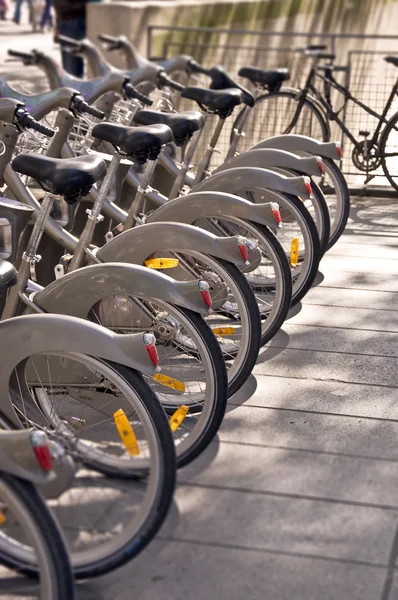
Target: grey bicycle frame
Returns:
[[34, 334], [265, 158], [64, 296], [244, 178], [17, 457], [300, 143], [137, 244]]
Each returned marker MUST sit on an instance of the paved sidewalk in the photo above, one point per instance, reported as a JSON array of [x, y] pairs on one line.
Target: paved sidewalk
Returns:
[[297, 497]]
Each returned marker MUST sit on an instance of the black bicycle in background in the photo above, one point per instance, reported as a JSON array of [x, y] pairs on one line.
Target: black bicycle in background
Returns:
[[308, 111]]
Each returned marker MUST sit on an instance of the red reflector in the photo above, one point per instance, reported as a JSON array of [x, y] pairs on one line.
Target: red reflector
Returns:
[[150, 346], [39, 442], [243, 248], [320, 165], [307, 182], [204, 290], [339, 150], [276, 212]]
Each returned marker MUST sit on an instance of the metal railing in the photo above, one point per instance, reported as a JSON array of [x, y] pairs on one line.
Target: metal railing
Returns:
[[369, 78]]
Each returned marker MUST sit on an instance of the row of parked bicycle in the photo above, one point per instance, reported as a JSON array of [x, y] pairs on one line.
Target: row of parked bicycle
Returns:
[[156, 303]]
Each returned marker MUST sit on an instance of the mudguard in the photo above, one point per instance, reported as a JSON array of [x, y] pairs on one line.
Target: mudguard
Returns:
[[264, 158], [77, 292], [199, 205], [296, 143], [137, 244], [233, 180], [17, 457], [32, 334]]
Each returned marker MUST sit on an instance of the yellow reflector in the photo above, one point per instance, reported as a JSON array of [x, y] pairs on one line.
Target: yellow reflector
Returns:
[[223, 330], [299, 197], [294, 252], [161, 263], [126, 432], [169, 382], [2, 518], [177, 418]]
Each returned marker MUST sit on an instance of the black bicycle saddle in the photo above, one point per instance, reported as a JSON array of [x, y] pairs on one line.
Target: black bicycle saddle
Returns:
[[66, 177], [217, 101], [264, 78], [221, 80], [8, 274], [182, 124], [140, 142]]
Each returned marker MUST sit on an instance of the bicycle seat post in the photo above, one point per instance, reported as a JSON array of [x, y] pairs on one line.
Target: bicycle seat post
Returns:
[[186, 164], [94, 215], [29, 258], [205, 162]]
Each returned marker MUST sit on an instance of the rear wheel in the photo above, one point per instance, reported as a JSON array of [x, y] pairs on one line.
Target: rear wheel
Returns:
[[389, 151], [28, 531], [110, 421], [273, 114]]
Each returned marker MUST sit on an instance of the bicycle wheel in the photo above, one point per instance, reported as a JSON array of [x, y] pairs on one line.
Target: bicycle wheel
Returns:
[[297, 235], [336, 193], [110, 421], [235, 317], [28, 529], [318, 209], [273, 115], [193, 368], [269, 276], [388, 150]]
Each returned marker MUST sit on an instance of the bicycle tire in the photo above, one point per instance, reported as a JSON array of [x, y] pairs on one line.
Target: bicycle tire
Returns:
[[261, 132], [392, 124], [340, 211], [271, 319], [156, 503], [39, 519], [213, 408], [244, 358], [291, 205]]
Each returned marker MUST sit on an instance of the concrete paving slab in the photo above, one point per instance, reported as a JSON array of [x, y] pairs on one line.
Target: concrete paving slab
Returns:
[[299, 473], [319, 396], [257, 521], [355, 318], [363, 281], [355, 263], [325, 295], [338, 340], [293, 429], [364, 250], [182, 570]]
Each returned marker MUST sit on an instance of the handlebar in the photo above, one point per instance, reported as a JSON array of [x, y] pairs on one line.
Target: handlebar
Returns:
[[26, 57], [63, 39], [163, 80], [26, 121], [195, 67], [132, 93], [79, 104], [115, 43]]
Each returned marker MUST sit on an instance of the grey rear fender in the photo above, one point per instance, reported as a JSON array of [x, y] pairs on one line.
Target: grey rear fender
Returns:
[[38, 333], [268, 158], [237, 179], [301, 143], [17, 457], [213, 204], [139, 243], [77, 292]]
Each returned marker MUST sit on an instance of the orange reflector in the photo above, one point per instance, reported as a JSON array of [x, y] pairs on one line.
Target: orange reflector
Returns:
[[223, 330], [177, 418], [126, 432], [294, 252], [169, 382], [161, 263], [2, 518]]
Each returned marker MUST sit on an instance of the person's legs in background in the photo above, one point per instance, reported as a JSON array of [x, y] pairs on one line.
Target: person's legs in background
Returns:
[[17, 14], [46, 16], [76, 29]]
